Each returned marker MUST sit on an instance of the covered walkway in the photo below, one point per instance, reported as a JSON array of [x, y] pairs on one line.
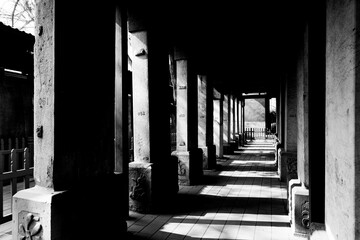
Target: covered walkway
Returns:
[[241, 199]]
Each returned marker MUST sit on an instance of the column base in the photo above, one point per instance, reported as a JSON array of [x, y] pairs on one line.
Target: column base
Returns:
[[140, 187], [42, 207], [240, 140], [212, 156], [287, 165], [68, 214], [190, 168], [149, 181], [205, 156], [300, 211], [276, 150], [227, 149], [292, 183], [233, 146], [208, 157]]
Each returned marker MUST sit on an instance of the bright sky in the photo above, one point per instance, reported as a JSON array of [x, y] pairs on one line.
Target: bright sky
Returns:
[[6, 7]]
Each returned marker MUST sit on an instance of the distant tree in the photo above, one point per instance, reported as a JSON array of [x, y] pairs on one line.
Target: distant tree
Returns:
[[18, 14], [272, 116]]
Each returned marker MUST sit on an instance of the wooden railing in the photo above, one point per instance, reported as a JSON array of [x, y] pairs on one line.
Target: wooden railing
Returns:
[[173, 141], [16, 172], [257, 133]]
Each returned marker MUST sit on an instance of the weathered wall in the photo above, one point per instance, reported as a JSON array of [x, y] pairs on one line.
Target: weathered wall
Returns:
[[341, 209], [302, 113]]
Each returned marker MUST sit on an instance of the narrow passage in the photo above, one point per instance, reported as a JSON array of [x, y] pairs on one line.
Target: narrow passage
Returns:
[[241, 199]]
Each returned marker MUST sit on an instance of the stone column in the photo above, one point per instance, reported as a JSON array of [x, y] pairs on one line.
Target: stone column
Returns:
[[243, 120], [233, 144], [121, 104], [189, 157], [267, 114], [232, 118], [289, 143], [216, 119], [278, 117], [205, 121], [316, 114], [221, 131], [153, 170], [226, 124], [342, 120], [74, 127], [238, 121], [210, 126]]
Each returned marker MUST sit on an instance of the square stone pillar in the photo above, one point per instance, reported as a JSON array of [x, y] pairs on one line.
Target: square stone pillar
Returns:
[[232, 118], [74, 128], [290, 143], [267, 115], [342, 120], [188, 154], [238, 122], [217, 118], [233, 143], [153, 170], [226, 124], [210, 125], [203, 110], [221, 134], [243, 121]]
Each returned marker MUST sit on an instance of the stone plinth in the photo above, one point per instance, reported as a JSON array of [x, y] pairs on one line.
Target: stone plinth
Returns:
[[189, 166], [42, 207], [211, 156], [227, 149], [140, 186], [205, 156], [287, 165], [233, 146], [300, 211], [292, 183]]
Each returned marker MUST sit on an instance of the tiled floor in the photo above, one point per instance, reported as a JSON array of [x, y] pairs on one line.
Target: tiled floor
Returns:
[[242, 199]]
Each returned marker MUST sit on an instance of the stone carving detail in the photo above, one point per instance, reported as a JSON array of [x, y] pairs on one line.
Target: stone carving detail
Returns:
[[181, 168], [138, 190], [305, 215], [31, 229]]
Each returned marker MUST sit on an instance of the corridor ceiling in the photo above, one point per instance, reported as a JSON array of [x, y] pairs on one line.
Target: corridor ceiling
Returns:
[[242, 45]]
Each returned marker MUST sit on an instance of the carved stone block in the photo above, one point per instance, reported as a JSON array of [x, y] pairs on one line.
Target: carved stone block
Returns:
[[140, 186], [292, 183], [38, 213], [301, 214], [287, 165], [205, 157]]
